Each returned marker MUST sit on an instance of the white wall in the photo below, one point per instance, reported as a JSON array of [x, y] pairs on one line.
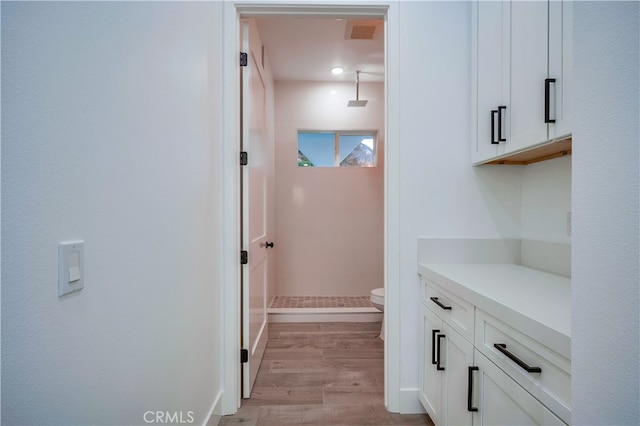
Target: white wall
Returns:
[[441, 195], [546, 199], [605, 289], [329, 221], [110, 125], [108, 129]]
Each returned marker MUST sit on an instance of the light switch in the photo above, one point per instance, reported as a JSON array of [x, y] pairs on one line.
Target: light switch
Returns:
[[70, 267], [74, 274]]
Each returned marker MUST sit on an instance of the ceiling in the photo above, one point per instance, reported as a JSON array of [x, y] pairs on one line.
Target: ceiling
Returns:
[[305, 49]]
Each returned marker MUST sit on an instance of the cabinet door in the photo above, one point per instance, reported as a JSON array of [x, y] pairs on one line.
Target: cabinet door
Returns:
[[490, 74], [560, 65], [528, 63], [501, 401], [430, 377], [458, 356]]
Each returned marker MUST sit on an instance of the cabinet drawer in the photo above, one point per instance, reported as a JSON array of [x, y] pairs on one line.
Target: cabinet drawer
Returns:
[[455, 311], [517, 351], [501, 401]]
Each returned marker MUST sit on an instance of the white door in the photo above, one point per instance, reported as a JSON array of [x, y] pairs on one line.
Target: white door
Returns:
[[430, 377], [560, 66], [492, 85], [254, 213], [458, 357], [528, 60]]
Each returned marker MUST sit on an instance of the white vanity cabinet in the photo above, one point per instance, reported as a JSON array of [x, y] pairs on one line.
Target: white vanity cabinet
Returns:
[[496, 345], [448, 354], [521, 59]]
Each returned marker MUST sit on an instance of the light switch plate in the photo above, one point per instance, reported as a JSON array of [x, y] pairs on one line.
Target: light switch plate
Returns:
[[70, 267]]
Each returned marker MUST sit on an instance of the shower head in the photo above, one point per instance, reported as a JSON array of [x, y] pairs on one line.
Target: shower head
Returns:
[[357, 102]]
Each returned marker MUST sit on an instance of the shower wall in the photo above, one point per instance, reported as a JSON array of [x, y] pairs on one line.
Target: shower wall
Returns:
[[329, 220]]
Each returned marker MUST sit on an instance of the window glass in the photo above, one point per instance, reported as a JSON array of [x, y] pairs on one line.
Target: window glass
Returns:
[[316, 149], [336, 149], [357, 151]]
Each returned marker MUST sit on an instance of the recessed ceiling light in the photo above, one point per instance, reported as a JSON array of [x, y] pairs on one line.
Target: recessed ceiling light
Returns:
[[337, 70]]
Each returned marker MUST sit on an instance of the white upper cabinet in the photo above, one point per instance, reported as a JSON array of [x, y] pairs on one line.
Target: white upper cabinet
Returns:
[[528, 63], [560, 66], [490, 76], [521, 59]]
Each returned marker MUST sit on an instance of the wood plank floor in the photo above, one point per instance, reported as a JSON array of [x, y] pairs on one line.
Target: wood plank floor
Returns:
[[321, 374]]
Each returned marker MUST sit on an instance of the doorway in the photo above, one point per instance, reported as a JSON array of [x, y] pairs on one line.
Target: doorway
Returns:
[[231, 316]]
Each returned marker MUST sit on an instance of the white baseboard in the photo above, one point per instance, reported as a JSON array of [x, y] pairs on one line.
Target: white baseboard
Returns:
[[409, 401], [215, 412]]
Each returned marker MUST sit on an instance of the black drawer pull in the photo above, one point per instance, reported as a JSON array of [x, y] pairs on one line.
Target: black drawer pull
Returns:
[[438, 366], [439, 303], [470, 406], [503, 348], [433, 346], [500, 138], [494, 112], [547, 100]]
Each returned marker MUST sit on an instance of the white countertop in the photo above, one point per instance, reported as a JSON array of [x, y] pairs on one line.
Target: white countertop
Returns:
[[538, 302]]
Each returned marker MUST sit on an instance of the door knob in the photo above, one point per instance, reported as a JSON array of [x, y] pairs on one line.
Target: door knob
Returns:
[[267, 245]]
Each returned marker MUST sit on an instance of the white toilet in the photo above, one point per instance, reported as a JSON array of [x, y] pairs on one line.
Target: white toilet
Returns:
[[377, 300]]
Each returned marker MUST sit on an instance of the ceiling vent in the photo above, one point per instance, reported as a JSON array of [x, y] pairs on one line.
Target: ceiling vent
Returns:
[[362, 30]]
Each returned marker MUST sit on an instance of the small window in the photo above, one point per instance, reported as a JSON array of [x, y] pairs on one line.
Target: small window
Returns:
[[333, 149]]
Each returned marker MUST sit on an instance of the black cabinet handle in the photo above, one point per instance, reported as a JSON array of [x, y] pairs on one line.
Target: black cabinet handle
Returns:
[[439, 303], [438, 366], [547, 99], [433, 346], [500, 138], [470, 406], [494, 112], [503, 348]]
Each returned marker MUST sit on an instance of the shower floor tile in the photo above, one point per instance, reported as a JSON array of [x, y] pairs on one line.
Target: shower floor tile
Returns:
[[287, 302]]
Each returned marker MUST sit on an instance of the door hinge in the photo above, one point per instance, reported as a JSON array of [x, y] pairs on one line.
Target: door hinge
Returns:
[[244, 61], [244, 158], [244, 257], [244, 356]]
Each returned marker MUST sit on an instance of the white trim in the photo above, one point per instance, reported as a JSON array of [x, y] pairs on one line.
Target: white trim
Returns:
[[392, 245], [316, 8], [410, 402], [231, 211], [215, 412], [230, 150]]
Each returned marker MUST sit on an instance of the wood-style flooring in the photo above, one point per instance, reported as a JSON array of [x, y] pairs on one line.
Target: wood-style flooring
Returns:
[[321, 374]]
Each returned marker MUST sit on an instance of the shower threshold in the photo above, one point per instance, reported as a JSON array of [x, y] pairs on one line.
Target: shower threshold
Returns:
[[323, 309]]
